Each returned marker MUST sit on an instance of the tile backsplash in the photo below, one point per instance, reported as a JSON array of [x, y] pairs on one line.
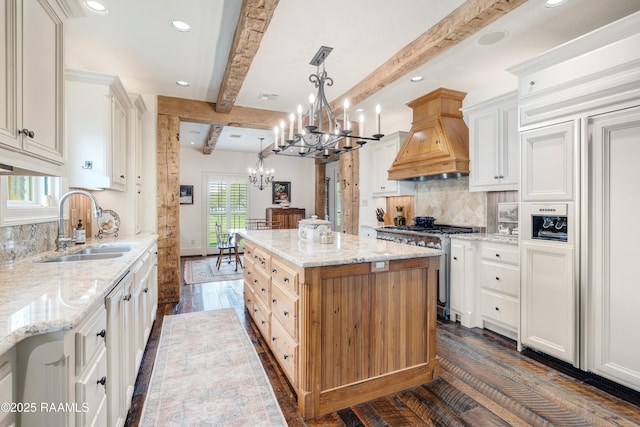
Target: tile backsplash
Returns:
[[449, 201], [23, 241]]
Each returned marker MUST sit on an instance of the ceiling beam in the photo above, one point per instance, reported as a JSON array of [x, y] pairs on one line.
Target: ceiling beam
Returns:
[[212, 137], [466, 20], [201, 111], [254, 19]]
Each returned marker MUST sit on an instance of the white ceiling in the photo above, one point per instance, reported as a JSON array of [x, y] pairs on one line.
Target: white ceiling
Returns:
[[136, 42]]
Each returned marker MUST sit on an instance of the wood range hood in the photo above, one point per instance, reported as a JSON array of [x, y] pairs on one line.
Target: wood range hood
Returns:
[[438, 143]]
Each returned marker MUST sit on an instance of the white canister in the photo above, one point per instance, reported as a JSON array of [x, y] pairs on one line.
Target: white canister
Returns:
[[311, 228]]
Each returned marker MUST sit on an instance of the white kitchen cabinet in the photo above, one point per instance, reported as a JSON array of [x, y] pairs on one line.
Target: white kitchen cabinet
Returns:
[[499, 286], [367, 231], [31, 81], [119, 352], [494, 144], [383, 154], [549, 299], [610, 248], [97, 133], [136, 113], [8, 391], [463, 282], [548, 163]]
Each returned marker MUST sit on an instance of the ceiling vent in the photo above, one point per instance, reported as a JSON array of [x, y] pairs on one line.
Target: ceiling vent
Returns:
[[267, 96]]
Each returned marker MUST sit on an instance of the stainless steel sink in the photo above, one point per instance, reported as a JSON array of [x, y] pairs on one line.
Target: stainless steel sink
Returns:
[[83, 257], [104, 250]]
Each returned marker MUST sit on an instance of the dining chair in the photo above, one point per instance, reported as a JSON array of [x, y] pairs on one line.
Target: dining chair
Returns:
[[227, 243]]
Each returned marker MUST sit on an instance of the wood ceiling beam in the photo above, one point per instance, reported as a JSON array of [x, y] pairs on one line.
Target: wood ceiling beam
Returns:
[[212, 137], [468, 19], [254, 19], [201, 111]]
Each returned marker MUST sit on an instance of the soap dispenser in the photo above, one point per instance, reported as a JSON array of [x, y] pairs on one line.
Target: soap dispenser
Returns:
[[80, 233]]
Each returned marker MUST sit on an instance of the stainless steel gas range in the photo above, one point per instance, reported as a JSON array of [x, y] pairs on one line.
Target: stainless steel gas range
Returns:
[[436, 237]]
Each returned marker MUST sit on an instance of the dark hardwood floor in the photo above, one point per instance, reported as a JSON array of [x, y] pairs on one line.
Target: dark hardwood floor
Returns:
[[483, 381]]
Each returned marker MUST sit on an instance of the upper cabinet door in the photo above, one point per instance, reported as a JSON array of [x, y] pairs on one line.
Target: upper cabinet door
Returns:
[[42, 80], [548, 163], [31, 86]]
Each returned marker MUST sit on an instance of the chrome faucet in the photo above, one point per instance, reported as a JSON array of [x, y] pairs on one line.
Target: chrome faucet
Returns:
[[61, 241]]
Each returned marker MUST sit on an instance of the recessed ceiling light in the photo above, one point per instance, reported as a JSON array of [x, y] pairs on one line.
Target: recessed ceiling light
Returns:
[[416, 79], [96, 7], [182, 83], [180, 26], [193, 143], [554, 3], [359, 110], [492, 37]]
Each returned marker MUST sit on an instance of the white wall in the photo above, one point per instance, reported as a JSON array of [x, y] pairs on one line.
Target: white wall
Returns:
[[194, 166]]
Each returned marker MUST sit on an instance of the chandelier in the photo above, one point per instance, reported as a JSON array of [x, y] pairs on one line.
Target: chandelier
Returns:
[[323, 135], [261, 176]]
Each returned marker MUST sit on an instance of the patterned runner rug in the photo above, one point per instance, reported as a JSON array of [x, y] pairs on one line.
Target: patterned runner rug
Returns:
[[208, 373], [204, 270]]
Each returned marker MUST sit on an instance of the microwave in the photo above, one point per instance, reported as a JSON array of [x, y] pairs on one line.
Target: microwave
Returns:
[[549, 222]]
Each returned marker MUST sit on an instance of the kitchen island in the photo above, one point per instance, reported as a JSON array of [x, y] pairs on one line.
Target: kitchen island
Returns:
[[348, 321]]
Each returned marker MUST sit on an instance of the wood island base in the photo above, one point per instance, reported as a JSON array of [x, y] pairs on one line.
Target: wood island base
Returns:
[[345, 334]]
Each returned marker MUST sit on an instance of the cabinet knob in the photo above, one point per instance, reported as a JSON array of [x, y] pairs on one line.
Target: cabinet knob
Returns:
[[102, 333], [286, 356], [121, 176], [286, 280], [255, 280], [102, 381], [495, 177], [145, 290], [501, 176], [273, 300], [497, 308], [274, 271], [263, 322], [497, 278], [255, 310], [455, 258], [273, 338], [286, 313], [27, 132], [263, 290], [497, 255], [127, 298]]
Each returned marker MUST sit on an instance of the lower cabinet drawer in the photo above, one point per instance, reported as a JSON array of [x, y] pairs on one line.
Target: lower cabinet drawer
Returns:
[[248, 298], [262, 318], [91, 392], [90, 337], [500, 308], [285, 276], [261, 286], [285, 350], [500, 277], [285, 308]]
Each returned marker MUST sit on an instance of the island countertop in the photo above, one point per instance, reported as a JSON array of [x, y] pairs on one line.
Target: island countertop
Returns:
[[345, 249], [42, 297]]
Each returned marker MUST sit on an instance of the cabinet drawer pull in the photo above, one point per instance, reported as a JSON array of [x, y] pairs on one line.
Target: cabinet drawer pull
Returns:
[[274, 271], [273, 300], [102, 381], [127, 298], [286, 280], [255, 310], [286, 313], [255, 280], [286, 356], [455, 258], [263, 290], [263, 322], [497, 278], [495, 177], [102, 333], [27, 132], [497, 255], [145, 290], [497, 308], [273, 338]]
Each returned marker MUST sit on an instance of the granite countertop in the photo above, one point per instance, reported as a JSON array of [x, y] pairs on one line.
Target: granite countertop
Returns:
[[488, 237], [346, 248], [38, 298]]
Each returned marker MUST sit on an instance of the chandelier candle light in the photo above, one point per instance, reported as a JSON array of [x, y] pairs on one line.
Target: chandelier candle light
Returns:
[[262, 176], [314, 139]]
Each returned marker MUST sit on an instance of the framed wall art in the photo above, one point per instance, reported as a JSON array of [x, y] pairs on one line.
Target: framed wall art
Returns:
[[281, 192], [186, 194]]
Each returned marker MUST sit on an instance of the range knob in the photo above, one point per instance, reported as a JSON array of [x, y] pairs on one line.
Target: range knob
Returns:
[[421, 243], [412, 243]]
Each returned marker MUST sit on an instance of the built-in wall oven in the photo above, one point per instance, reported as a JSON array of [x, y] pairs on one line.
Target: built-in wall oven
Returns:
[[436, 237]]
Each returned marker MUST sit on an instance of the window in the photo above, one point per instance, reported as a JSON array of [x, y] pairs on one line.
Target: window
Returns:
[[227, 199], [28, 199]]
